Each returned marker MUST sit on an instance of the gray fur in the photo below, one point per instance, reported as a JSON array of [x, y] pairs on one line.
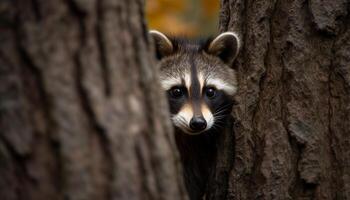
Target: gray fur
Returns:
[[178, 64], [198, 67]]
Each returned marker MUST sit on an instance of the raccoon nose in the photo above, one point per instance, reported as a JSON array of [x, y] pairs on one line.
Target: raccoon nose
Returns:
[[198, 123]]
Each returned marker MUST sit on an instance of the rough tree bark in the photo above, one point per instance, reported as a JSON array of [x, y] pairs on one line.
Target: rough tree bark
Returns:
[[81, 113], [292, 121]]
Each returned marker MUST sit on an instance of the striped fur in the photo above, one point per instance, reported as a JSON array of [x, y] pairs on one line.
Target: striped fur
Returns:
[[200, 86]]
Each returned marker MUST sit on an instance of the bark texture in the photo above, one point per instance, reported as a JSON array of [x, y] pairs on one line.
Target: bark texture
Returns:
[[292, 121], [81, 112]]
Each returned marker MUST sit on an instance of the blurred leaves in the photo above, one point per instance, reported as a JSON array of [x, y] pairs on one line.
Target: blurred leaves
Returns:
[[183, 17]]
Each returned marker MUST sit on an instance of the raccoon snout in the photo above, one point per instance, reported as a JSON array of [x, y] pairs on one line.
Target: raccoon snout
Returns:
[[198, 124]]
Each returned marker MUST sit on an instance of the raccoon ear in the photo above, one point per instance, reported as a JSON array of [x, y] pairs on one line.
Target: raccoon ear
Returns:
[[225, 46], [164, 46]]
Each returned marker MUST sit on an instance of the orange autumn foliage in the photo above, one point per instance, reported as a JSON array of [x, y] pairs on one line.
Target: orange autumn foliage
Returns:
[[180, 17]]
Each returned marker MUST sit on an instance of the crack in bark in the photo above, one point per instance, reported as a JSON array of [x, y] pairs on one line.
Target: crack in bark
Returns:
[[37, 73], [102, 48], [259, 152], [147, 193], [99, 129]]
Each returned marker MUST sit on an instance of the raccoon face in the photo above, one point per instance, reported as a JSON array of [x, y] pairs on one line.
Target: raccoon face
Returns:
[[198, 80]]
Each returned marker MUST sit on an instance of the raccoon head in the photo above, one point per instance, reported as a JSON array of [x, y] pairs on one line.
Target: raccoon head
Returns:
[[198, 79]]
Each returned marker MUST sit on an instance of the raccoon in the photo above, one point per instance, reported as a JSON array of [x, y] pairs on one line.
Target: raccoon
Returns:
[[200, 85]]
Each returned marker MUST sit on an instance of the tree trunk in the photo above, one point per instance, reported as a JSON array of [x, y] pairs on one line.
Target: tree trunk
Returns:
[[292, 121], [81, 112]]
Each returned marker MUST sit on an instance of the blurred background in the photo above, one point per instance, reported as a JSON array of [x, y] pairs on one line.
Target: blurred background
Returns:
[[183, 17]]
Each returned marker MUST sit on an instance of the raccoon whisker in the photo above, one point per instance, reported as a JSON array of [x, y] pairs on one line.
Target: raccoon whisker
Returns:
[[221, 110], [179, 121], [218, 121], [223, 107], [221, 119], [220, 114], [216, 116], [219, 124], [183, 121], [217, 127]]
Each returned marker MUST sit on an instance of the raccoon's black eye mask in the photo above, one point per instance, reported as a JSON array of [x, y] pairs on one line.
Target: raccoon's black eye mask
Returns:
[[177, 92]]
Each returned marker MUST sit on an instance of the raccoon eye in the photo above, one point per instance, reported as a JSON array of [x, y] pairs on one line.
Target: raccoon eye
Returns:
[[177, 92], [210, 92]]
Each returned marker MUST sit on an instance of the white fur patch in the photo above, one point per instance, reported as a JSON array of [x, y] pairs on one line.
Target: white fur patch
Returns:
[[201, 81], [168, 83], [208, 116], [187, 81], [222, 85], [183, 117]]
